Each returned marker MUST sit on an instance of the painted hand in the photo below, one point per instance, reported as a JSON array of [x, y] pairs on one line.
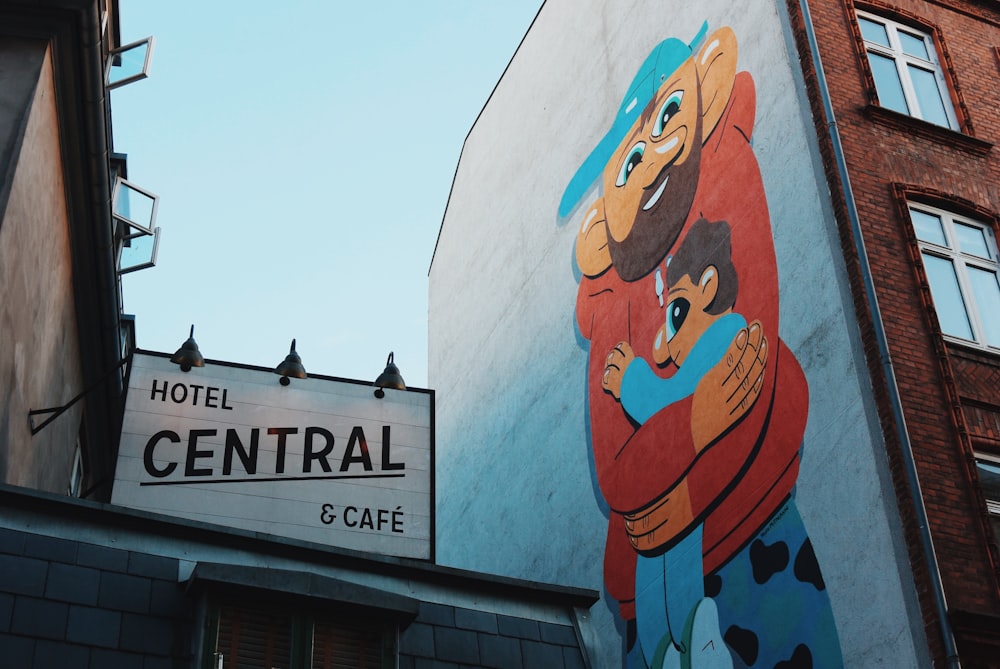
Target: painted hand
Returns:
[[726, 393], [657, 524], [620, 357]]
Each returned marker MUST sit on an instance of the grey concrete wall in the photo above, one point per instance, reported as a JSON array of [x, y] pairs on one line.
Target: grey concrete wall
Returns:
[[516, 494], [39, 365]]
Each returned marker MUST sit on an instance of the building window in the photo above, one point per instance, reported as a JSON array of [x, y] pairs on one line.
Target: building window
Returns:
[[129, 63], [908, 75], [271, 637], [960, 259], [988, 467], [134, 208]]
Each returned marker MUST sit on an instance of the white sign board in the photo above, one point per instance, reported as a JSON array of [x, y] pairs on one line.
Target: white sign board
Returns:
[[320, 459]]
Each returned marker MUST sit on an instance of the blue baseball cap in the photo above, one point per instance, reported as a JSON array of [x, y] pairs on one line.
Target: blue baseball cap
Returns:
[[661, 63]]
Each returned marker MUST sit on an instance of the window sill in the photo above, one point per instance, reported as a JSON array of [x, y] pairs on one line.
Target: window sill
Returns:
[[973, 351], [916, 126]]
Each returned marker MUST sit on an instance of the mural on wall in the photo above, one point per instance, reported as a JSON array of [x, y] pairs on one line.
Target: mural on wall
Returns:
[[697, 409]]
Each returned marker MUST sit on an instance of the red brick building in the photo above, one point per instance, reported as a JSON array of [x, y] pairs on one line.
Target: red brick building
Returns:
[[905, 102]]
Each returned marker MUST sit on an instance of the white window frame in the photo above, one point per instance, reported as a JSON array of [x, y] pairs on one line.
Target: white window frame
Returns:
[[960, 262], [132, 228], [145, 264], [902, 60], [144, 227], [147, 58], [992, 504]]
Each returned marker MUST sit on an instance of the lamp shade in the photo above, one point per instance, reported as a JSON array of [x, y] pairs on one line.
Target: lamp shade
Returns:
[[291, 366], [389, 378], [188, 355]]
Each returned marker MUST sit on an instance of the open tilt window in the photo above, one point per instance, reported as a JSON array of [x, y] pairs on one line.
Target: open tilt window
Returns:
[[134, 210]]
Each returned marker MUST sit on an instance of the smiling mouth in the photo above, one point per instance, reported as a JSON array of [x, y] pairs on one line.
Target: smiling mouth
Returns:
[[651, 202]]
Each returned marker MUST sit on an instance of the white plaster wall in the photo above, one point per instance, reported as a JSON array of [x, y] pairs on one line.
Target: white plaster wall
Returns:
[[514, 485]]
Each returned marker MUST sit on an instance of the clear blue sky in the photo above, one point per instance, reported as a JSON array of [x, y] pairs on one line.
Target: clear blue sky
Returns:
[[303, 153]]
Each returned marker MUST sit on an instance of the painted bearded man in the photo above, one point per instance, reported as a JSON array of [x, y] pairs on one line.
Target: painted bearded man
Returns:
[[706, 554]]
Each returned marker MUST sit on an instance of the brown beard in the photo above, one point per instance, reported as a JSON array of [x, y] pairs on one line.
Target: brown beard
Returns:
[[654, 232]]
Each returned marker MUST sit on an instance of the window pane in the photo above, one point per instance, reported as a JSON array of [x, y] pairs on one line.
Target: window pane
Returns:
[[134, 206], [989, 479], [873, 32], [947, 299], [971, 240], [913, 45], [928, 96], [890, 92], [927, 227], [138, 252], [987, 296], [129, 63]]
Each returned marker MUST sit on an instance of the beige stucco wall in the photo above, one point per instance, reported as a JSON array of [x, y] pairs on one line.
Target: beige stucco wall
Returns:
[[39, 359]]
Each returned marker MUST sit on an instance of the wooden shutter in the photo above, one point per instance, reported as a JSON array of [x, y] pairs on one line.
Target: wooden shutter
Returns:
[[338, 646], [254, 639]]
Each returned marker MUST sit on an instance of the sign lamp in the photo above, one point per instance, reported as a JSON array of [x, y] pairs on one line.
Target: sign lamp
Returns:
[[389, 378], [291, 366], [188, 355]]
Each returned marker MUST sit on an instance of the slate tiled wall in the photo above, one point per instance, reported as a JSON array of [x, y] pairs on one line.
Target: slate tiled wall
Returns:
[[76, 605], [447, 637]]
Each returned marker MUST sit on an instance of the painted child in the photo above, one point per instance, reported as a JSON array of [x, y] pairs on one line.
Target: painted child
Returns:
[[699, 326]]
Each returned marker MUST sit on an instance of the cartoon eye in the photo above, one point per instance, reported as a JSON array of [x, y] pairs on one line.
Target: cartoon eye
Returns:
[[633, 158], [677, 311], [670, 107]]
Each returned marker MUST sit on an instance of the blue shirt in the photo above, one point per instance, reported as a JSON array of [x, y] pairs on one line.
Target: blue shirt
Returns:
[[643, 393]]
